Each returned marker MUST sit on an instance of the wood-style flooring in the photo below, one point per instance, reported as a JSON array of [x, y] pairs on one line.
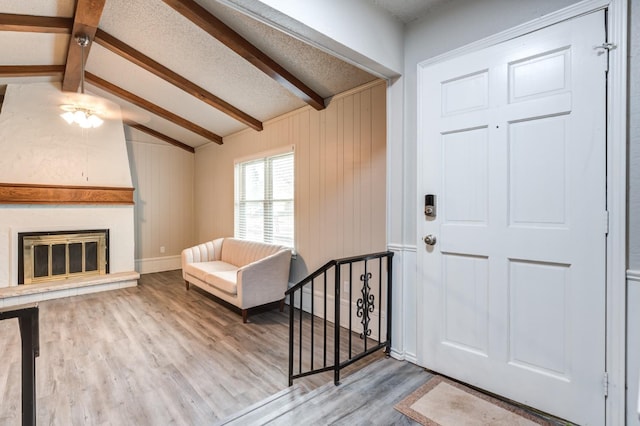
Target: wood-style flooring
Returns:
[[157, 354]]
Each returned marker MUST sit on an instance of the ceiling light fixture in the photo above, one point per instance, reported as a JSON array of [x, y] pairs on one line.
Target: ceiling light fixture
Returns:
[[82, 115]]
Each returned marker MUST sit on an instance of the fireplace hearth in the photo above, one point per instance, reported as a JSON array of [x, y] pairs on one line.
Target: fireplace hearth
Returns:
[[52, 256]]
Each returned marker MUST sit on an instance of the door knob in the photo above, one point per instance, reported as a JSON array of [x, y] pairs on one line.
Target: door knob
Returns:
[[430, 240]]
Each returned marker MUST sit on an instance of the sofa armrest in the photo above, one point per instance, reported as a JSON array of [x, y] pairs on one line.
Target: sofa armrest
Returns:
[[265, 280]]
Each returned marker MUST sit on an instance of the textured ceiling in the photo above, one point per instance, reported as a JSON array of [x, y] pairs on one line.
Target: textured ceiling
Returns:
[[159, 32], [39, 7], [407, 10]]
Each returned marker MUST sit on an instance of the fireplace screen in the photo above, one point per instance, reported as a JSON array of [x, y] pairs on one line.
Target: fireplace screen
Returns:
[[47, 256]]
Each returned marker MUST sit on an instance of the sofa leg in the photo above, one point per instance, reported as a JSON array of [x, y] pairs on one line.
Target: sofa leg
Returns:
[[186, 284], [245, 316], [282, 305]]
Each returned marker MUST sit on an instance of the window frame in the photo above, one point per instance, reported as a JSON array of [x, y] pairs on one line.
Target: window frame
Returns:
[[268, 199]]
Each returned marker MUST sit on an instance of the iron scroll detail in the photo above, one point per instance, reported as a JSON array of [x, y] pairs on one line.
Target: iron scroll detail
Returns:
[[365, 305], [310, 329]]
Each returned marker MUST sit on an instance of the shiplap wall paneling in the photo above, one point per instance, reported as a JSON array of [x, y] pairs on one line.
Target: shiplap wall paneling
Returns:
[[300, 130], [379, 163], [214, 174], [163, 178], [340, 177]]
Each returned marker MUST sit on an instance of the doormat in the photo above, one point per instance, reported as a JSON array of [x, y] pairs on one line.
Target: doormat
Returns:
[[443, 402]]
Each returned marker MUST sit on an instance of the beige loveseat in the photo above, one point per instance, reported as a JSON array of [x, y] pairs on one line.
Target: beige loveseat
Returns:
[[244, 273]]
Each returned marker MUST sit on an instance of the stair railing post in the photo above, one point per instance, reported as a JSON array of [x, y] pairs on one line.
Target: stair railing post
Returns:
[[367, 304], [29, 324], [389, 300], [336, 318], [291, 314], [29, 333]]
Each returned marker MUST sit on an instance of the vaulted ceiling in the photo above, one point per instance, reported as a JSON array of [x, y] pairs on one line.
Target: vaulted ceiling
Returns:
[[186, 72]]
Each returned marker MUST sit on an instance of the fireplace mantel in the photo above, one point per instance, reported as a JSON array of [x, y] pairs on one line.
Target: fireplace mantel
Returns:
[[19, 193]]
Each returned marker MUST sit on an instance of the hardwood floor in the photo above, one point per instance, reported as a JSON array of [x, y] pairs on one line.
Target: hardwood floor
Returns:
[[363, 398], [157, 354]]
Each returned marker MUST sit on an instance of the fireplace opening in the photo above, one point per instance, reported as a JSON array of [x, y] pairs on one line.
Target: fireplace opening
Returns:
[[51, 256]]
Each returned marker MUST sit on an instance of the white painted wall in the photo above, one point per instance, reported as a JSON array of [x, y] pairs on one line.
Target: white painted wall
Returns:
[[39, 147], [633, 280], [633, 347], [163, 176], [355, 30], [634, 135]]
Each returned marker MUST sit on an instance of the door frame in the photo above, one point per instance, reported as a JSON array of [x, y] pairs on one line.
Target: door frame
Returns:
[[616, 121]]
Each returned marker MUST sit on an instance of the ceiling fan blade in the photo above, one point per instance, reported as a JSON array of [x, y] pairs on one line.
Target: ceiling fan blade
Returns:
[[133, 114], [86, 101]]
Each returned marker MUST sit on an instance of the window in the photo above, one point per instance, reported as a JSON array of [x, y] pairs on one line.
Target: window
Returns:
[[264, 200]]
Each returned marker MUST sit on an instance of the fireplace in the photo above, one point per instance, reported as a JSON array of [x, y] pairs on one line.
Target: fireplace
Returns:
[[55, 178], [52, 256]]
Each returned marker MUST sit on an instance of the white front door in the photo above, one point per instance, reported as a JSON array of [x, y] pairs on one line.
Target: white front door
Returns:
[[512, 144]]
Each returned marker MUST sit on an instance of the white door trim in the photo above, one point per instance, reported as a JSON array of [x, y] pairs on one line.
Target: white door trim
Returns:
[[617, 202], [616, 175]]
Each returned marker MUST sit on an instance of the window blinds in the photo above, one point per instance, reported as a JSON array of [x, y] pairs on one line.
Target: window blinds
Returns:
[[264, 207]]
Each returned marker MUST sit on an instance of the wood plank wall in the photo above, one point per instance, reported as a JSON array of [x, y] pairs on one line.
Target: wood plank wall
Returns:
[[340, 177], [163, 177]]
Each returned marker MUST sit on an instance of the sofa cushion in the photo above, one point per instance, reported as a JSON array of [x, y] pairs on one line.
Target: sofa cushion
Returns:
[[195, 269], [242, 252], [219, 274], [224, 280]]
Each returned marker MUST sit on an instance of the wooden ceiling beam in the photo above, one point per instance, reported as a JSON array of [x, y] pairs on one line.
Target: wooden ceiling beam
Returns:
[[30, 70], [160, 136], [47, 70], [44, 24], [129, 53], [35, 24], [234, 41], [152, 108], [85, 21]]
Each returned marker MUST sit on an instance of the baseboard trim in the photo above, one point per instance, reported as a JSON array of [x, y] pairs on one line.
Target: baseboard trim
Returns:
[[396, 354], [158, 264], [404, 356], [412, 358]]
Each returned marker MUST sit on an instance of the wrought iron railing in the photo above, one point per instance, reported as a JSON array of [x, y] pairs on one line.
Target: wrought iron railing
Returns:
[[314, 318], [29, 324]]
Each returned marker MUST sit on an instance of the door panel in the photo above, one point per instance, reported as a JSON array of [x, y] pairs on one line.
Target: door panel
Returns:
[[537, 308], [512, 143], [465, 176], [466, 281]]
